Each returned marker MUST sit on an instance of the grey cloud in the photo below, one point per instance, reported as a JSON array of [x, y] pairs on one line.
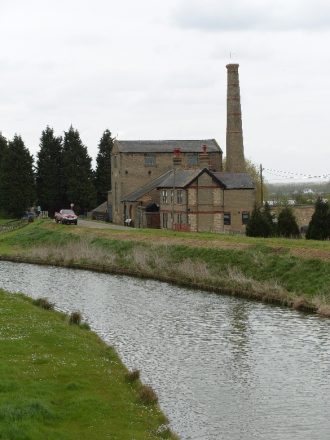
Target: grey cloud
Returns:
[[247, 15]]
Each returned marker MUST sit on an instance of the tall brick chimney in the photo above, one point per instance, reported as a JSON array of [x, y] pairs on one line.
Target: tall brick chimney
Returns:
[[235, 162]]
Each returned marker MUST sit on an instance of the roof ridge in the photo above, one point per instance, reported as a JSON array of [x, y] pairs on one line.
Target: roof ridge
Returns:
[[165, 140]]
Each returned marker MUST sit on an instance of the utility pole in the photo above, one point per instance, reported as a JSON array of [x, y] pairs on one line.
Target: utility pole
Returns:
[[261, 186]]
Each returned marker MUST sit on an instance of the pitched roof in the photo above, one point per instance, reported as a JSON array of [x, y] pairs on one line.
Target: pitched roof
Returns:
[[235, 180], [148, 187], [167, 146], [182, 178], [101, 208]]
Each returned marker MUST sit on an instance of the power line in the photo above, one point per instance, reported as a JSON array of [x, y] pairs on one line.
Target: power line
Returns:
[[293, 175]]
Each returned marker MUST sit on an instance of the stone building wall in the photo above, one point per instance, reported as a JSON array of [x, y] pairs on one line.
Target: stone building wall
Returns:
[[129, 172], [201, 207], [172, 212], [237, 202], [205, 204]]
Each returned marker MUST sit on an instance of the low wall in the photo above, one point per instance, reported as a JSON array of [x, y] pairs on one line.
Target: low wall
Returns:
[[303, 213]]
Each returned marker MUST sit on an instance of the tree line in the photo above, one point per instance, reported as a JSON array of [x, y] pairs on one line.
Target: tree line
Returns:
[[62, 173], [262, 222]]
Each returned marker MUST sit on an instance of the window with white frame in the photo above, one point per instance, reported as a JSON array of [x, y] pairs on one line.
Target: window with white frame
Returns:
[[179, 196], [164, 196]]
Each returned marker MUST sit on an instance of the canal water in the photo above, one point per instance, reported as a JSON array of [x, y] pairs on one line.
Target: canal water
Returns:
[[224, 368]]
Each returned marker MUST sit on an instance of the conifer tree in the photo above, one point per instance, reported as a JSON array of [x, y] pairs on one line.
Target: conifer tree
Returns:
[[77, 173], [17, 186], [319, 226], [259, 224], [287, 224], [103, 167], [49, 172], [3, 146], [269, 218]]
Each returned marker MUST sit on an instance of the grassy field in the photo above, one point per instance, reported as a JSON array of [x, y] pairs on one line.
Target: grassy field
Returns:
[[3, 221], [61, 382], [291, 272]]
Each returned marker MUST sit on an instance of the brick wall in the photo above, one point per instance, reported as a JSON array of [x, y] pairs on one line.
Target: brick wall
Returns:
[[129, 173], [303, 213], [205, 202], [236, 202]]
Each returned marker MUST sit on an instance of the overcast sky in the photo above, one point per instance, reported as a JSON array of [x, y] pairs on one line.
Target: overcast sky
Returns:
[[155, 69]]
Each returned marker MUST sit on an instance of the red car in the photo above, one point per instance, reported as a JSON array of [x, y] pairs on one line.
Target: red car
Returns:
[[66, 216]]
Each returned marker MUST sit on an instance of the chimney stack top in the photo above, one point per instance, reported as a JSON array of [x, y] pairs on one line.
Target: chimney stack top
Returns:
[[204, 159], [232, 66], [177, 158]]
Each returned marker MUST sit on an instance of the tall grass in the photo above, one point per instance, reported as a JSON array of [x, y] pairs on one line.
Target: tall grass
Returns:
[[82, 251], [258, 271], [232, 272]]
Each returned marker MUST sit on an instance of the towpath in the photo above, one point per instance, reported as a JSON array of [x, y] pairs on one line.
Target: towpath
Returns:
[[101, 225]]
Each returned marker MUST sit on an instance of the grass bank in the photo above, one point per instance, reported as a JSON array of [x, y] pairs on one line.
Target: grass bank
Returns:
[[61, 382], [295, 273]]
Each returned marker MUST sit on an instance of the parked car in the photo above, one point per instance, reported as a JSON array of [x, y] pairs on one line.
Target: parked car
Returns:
[[29, 216], [66, 216]]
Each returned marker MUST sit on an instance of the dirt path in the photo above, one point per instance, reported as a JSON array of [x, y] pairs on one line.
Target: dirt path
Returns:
[[101, 225]]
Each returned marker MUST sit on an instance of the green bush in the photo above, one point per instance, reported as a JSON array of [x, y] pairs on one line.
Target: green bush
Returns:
[[319, 226], [287, 224], [260, 223]]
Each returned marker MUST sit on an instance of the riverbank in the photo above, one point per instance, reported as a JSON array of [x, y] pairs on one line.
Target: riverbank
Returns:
[[295, 273], [60, 381]]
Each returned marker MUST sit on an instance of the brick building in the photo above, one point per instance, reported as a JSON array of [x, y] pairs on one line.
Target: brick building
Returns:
[[181, 184], [206, 201], [136, 164]]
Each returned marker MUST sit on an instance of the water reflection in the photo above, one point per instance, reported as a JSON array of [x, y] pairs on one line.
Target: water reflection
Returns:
[[238, 332], [224, 368]]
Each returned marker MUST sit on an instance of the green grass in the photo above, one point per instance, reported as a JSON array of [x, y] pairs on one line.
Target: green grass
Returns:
[[61, 233], [34, 234], [61, 382], [249, 266], [233, 238]]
